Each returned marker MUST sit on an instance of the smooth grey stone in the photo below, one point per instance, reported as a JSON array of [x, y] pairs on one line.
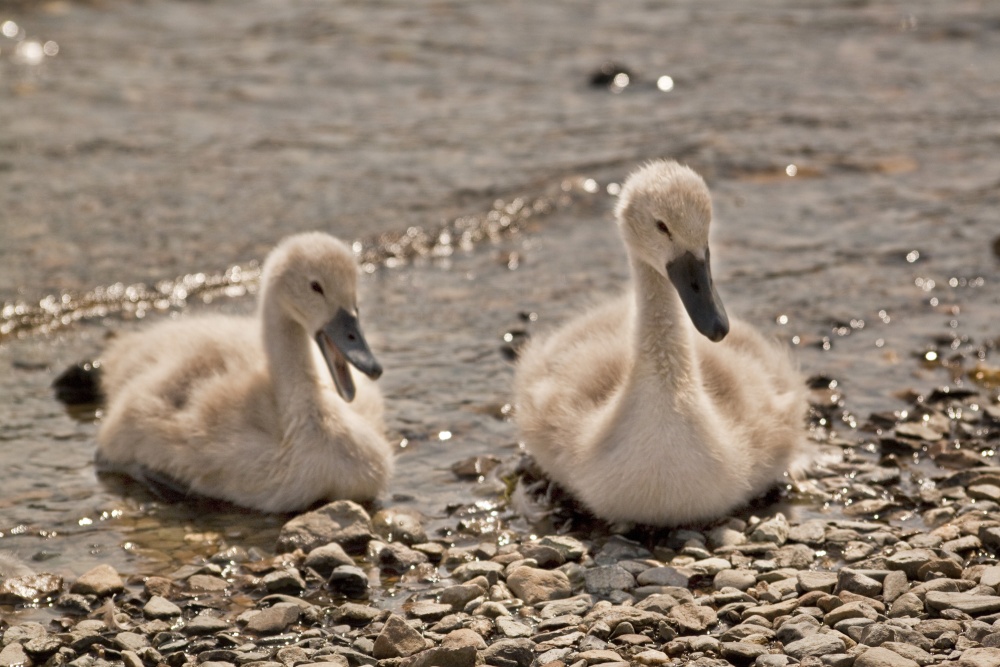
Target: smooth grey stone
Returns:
[[204, 623], [796, 556], [544, 555], [160, 607], [740, 653], [907, 650], [274, 619], [602, 580], [666, 576], [811, 532], [349, 581], [399, 558], [971, 604], [692, 618], [660, 603], [570, 547], [618, 548], [130, 641], [14, 655], [856, 609], [518, 652], [489, 569], [910, 561], [883, 657], [101, 581], [815, 645], [459, 595], [342, 521], [810, 580], [774, 530], [534, 585], [772, 660], [354, 613], [490, 609], [980, 657], [894, 585], [838, 660], [508, 627], [856, 582], [797, 628], [738, 579], [285, 581], [445, 656], [579, 605], [744, 630], [429, 612], [327, 557], [397, 639]]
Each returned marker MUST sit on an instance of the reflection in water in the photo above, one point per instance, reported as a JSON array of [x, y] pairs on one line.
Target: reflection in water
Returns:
[[27, 51], [10, 29]]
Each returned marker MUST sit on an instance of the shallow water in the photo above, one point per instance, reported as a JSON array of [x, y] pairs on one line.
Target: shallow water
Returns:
[[851, 150]]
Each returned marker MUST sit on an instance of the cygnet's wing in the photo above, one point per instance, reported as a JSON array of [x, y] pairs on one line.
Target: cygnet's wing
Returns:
[[564, 377]]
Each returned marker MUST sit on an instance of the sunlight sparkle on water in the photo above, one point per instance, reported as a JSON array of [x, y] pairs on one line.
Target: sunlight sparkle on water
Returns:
[[9, 29], [791, 170], [912, 256], [444, 435], [665, 83]]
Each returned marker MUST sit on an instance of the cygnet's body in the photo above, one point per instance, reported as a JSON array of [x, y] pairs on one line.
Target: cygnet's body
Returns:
[[255, 411], [639, 414]]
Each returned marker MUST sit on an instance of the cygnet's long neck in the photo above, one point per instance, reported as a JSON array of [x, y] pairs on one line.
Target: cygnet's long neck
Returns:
[[290, 359], [663, 337]]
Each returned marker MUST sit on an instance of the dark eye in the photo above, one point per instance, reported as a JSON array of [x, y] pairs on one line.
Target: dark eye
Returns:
[[662, 226], [316, 287]]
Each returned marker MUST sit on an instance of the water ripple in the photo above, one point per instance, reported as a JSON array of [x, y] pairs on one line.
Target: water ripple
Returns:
[[505, 219]]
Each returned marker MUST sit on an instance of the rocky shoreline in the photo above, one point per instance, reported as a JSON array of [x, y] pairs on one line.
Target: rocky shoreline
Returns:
[[907, 575]]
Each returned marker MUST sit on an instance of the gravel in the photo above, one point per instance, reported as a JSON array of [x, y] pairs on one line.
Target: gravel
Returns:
[[853, 590]]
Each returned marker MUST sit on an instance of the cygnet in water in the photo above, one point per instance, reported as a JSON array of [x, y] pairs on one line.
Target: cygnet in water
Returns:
[[262, 411], [654, 407]]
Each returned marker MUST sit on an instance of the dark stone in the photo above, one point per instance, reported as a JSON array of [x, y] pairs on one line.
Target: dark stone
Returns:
[[510, 653], [349, 581]]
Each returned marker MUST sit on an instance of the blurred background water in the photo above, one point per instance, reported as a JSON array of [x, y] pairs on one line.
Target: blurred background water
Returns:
[[473, 151]]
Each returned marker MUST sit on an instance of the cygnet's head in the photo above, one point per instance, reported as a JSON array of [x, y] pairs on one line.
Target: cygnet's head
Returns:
[[313, 279], [664, 212]]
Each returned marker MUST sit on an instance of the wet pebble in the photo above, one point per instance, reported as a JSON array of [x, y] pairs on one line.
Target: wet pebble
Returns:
[[101, 581], [342, 521], [273, 619]]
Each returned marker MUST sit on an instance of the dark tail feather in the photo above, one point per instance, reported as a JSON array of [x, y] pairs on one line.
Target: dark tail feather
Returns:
[[80, 384]]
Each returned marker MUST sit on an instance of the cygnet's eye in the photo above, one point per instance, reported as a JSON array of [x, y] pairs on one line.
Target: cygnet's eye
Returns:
[[316, 287], [662, 226]]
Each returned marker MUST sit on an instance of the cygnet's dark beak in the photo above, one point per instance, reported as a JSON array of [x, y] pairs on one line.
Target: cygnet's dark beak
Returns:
[[341, 341], [693, 279]]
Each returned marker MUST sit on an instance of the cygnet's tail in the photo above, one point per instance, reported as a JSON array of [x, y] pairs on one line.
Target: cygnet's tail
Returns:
[[80, 384]]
